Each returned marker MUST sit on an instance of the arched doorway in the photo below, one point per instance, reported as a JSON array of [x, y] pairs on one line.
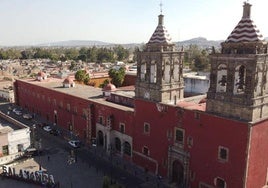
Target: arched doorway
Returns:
[[177, 173], [117, 144], [100, 138]]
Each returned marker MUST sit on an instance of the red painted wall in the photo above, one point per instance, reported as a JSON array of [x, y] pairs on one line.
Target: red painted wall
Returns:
[[157, 141], [130, 79], [44, 107], [209, 132], [258, 155]]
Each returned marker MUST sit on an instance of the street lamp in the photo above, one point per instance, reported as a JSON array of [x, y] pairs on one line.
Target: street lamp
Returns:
[[39, 149], [71, 160], [111, 162]]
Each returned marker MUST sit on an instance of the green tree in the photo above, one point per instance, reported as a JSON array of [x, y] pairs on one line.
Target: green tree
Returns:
[[105, 82], [27, 54], [117, 76], [3, 54], [86, 79], [92, 54], [197, 58], [82, 76], [105, 54], [72, 65], [121, 53], [71, 54]]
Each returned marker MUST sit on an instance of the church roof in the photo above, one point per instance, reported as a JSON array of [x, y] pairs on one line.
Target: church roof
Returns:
[[246, 30], [160, 35]]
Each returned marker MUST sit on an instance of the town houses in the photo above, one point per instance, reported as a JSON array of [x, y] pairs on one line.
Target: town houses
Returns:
[[214, 140]]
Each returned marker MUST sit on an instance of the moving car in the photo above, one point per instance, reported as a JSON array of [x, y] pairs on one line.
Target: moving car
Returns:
[[75, 143]]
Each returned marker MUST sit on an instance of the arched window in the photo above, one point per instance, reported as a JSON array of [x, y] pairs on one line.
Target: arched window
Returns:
[[167, 72], [221, 78], [143, 71], [240, 79], [117, 144], [153, 73], [176, 71], [127, 148]]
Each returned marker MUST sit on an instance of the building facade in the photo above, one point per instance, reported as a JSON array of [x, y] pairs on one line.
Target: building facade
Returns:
[[14, 139], [217, 142]]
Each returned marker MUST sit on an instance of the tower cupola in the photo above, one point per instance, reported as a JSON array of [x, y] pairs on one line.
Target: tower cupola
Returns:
[[159, 68], [239, 74]]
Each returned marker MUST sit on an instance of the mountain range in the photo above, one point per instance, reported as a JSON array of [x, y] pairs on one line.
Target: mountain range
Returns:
[[199, 41]]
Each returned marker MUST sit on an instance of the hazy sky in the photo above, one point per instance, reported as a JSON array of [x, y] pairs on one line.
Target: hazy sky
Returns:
[[27, 22]]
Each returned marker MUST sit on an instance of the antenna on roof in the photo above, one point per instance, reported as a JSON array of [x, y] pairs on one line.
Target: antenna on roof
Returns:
[[161, 7]]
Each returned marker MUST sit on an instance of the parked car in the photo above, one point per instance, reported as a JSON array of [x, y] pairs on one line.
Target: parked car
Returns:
[[75, 143], [55, 132], [31, 152], [27, 116], [19, 113], [47, 128], [94, 142]]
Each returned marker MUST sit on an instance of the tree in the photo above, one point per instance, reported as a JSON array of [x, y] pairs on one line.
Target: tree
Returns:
[[197, 58], [27, 54], [72, 65], [82, 76], [92, 54], [71, 54], [105, 82], [121, 52], [105, 54], [117, 76]]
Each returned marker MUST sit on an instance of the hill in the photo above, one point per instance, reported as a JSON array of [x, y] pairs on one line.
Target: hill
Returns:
[[76, 43], [201, 42]]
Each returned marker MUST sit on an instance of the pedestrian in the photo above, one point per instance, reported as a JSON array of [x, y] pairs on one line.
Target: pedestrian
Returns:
[[48, 157]]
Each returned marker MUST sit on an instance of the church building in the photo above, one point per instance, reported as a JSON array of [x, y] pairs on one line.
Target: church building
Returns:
[[218, 140]]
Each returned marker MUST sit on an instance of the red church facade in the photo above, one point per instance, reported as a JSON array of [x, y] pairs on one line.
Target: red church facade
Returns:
[[187, 140]]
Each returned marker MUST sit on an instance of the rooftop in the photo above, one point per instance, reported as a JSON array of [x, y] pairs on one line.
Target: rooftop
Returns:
[[81, 91]]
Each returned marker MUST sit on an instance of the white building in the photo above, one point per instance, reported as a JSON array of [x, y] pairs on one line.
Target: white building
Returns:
[[14, 139], [6, 91], [195, 83]]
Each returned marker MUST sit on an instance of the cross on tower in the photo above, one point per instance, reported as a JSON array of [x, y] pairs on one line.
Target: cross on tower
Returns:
[[161, 7]]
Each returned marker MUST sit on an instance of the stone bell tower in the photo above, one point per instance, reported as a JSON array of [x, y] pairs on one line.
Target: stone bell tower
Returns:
[[159, 73], [239, 82]]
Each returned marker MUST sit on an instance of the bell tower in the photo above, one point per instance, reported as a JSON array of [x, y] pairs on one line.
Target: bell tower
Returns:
[[238, 79], [159, 73]]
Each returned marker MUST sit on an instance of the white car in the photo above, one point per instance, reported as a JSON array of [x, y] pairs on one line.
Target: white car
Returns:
[[75, 143], [47, 128], [27, 116], [18, 113]]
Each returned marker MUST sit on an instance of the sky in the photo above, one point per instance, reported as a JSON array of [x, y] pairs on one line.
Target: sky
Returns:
[[30, 22]]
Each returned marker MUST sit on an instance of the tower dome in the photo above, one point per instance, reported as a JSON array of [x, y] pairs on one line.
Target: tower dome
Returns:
[[108, 89], [246, 30], [160, 35], [68, 82]]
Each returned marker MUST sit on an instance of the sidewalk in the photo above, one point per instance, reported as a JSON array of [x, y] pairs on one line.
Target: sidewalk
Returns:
[[149, 180]]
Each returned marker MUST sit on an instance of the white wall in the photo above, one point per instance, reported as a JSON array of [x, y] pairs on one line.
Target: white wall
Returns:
[[16, 137], [196, 85]]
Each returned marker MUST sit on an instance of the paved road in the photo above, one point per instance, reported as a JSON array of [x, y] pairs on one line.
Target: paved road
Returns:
[[92, 163]]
